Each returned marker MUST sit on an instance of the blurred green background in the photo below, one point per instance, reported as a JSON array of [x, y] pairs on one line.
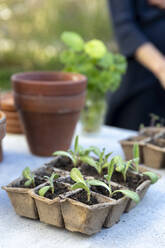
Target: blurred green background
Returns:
[[30, 32]]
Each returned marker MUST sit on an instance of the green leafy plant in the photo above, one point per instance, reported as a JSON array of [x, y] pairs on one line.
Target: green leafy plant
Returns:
[[50, 182], [100, 163], [80, 154], [29, 177], [92, 58], [81, 183], [152, 176]]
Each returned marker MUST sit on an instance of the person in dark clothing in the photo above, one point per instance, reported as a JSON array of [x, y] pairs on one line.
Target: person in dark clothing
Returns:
[[139, 27]]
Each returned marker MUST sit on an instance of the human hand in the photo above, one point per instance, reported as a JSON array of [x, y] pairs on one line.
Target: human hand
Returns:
[[159, 3], [160, 73]]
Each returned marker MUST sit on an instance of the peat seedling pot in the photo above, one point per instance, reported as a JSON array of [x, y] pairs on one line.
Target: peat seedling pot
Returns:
[[151, 131], [23, 204], [128, 144], [2, 131], [154, 154], [49, 104], [119, 206], [49, 210], [83, 218]]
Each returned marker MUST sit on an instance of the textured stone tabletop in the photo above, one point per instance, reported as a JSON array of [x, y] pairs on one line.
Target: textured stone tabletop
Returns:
[[144, 226]]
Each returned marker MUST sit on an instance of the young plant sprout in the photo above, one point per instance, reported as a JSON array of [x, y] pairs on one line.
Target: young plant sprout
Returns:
[[78, 152], [81, 183], [29, 177], [99, 164], [152, 176], [50, 181]]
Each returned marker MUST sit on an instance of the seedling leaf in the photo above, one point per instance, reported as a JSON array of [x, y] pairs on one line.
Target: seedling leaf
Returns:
[[130, 194], [26, 173], [152, 176], [94, 182], [43, 190], [65, 154], [90, 161], [76, 176]]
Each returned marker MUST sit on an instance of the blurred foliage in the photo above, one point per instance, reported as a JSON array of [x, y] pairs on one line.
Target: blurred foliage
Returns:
[[30, 31]]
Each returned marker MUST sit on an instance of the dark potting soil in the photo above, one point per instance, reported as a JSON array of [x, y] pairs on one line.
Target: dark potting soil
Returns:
[[133, 181], [103, 191], [67, 180], [82, 197], [45, 172], [59, 189], [63, 163], [88, 170], [158, 142], [38, 180]]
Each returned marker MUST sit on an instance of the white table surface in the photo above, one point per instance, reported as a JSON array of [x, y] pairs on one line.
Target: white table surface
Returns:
[[144, 226]]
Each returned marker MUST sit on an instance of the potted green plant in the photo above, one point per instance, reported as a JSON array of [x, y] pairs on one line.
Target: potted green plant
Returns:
[[103, 70]]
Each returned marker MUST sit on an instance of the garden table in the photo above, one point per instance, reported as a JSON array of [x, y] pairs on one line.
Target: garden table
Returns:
[[144, 226]]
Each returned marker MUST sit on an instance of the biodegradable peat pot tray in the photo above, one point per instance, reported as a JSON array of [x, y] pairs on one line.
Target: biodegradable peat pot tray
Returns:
[[151, 131], [20, 198], [154, 154], [49, 104], [2, 131], [118, 208], [49, 207], [128, 144], [136, 182], [83, 218]]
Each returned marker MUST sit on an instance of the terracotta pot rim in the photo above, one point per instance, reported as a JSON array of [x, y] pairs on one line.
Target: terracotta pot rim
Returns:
[[2, 117], [74, 77]]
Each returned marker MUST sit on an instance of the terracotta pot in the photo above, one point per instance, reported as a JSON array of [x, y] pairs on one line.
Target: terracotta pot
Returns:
[[128, 144], [13, 121], [2, 131], [23, 204], [49, 104], [79, 217]]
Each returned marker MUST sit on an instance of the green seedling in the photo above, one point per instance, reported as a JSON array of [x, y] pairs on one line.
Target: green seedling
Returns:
[[78, 153], [29, 177], [152, 176], [99, 164], [50, 182], [81, 183]]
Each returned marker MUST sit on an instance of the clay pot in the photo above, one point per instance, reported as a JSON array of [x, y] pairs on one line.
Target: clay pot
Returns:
[[49, 104], [79, 217], [2, 131], [23, 204], [128, 144], [13, 122]]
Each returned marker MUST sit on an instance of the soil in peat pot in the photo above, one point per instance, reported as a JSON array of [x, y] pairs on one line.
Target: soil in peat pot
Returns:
[[137, 138], [67, 180], [59, 189], [38, 180], [133, 181], [88, 170], [63, 163], [101, 190], [82, 197], [45, 172], [158, 142]]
